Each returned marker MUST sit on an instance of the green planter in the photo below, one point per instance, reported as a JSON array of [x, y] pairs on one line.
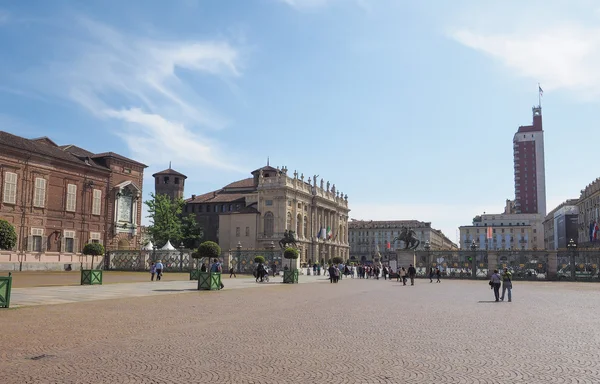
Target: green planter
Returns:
[[91, 277], [194, 273], [290, 277], [209, 281], [5, 286]]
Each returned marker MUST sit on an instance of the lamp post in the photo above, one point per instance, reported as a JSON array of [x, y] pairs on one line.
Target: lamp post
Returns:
[[271, 248], [154, 253], [181, 247], [473, 258], [572, 247], [427, 248], [238, 253]]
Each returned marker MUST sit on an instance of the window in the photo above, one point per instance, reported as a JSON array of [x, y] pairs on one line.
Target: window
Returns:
[[223, 208], [237, 231], [71, 197], [305, 226], [230, 207], [288, 221], [96, 201], [268, 203], [269, 224], [36, 243], [127, 170], [216, 208], [95, 238], [299, 226], [68, 243], [10, 188], [247, 231], [39, 194], [166, 179], [177, 180]]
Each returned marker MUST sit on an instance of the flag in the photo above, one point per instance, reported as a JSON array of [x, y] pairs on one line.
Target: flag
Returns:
[[490, 232], [595, 233], [592, 226], [320, 233], [328, 232], [388, 245], [323, 233], [541, 90]]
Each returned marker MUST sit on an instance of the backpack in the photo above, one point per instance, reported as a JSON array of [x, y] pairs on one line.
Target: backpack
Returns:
[[216, 267]]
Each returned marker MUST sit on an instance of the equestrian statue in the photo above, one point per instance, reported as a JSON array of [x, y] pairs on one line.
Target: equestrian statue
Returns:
[[409, 237], [289, 239]]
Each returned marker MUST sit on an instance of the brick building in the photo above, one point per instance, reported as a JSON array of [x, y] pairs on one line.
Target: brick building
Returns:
[[59, 198]]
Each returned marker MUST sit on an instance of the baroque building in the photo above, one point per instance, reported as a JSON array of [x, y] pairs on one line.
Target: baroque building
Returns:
[[60, 197], [588, 207], [254, 213], [368, 237]]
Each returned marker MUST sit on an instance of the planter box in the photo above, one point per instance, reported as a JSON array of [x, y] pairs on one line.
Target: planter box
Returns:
[[290, 277], [209, 281], [5, 287], [194, 273], [91, 277]]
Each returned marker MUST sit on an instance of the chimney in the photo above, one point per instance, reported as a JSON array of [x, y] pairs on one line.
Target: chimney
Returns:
[[215, 194], [193, 197]]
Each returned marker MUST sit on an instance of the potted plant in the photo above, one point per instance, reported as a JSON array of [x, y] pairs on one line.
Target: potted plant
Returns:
[[208, 281], [92, 276], [194, 272], [8, 240], [337, 260], [290, 276]]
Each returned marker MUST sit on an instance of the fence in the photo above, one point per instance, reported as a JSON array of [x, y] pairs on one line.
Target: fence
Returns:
[[173, 261]]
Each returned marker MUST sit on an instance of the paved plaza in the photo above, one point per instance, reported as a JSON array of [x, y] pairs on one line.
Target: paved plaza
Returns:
[[357, 331]]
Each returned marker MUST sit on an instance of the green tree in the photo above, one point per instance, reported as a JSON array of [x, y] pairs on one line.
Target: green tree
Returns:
[[259, 259], [168, 223], [208, 249], [8, 236], [337, 260], [93, 249], [291, 254]]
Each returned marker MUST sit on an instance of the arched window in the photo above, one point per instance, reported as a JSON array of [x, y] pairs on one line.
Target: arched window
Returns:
[[269, 224], [305, 233], [288, 221], [299, 225]]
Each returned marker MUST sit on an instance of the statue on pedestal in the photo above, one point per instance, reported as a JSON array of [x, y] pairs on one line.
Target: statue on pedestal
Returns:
[[328, 186], [322, 184]]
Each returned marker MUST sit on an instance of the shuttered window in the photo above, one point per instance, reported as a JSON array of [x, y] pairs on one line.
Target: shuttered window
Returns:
[[10, 188], [71, 197], [39, 194], [96, 202]]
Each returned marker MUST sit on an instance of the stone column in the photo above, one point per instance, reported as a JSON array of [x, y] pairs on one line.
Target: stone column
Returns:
[[492, 262], [552, 268]]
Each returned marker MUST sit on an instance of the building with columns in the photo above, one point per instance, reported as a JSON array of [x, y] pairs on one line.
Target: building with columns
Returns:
[[368, 237], [255, 212], [588, 210]]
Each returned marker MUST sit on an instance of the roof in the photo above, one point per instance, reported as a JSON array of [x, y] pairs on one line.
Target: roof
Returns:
[[265, 168], [76, 150], [117, 156], [44, 147], [217, 197], [170, 171], [246, 183]]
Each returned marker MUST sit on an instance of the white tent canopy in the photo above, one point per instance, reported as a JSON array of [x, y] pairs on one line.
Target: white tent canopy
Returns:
[[148, 247], [168, 247]]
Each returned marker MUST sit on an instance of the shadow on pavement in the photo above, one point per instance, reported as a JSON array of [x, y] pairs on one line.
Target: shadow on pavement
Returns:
[[173, 290], [488, 301]]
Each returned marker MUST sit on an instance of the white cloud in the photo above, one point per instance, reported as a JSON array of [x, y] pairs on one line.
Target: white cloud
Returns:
[[136, 81], [563, 52]]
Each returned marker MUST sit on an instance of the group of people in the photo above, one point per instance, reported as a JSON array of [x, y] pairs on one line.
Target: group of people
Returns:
[[156, 269], [504, 280]]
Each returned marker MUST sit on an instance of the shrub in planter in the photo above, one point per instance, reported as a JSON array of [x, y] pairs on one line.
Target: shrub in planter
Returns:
[[259, 259], [92, 276], [93, 249], [291, 254], [208, 249], [8, 236], [208, 280], [337, 260], [291, 276]]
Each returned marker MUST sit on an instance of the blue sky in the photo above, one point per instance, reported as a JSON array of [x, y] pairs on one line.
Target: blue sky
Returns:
[[409, 107]]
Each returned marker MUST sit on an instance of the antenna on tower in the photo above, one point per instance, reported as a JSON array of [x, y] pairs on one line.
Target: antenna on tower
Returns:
[[267, 161], [169, 165]]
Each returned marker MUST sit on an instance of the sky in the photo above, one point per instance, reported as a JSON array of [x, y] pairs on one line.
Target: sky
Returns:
[[408, 107]]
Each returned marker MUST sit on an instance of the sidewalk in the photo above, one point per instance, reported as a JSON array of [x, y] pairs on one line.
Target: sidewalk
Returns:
[[25, 297]]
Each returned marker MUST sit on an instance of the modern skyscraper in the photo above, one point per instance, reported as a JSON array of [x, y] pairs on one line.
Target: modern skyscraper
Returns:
[[530, 173]]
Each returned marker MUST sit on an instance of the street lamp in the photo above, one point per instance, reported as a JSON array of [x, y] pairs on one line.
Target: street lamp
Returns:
[[472, 260], [572, 247], [427, 248]]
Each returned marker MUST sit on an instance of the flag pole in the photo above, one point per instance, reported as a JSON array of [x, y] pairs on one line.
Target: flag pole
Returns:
[[539, 96]]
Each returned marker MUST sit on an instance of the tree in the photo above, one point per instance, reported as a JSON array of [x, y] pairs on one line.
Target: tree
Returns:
[[93, 249], [168, 223], [337, 260], [259, 259], [208, 249], [8, 236], [291, 254]]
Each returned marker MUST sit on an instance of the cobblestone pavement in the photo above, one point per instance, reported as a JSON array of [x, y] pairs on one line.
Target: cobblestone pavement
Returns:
[[358, 331], [25, 297]]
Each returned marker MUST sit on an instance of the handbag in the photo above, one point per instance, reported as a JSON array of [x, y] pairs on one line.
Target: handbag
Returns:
[[491, 284]]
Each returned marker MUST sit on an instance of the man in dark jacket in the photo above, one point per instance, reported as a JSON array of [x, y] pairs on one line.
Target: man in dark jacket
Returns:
[[412, 272], [331, 273]]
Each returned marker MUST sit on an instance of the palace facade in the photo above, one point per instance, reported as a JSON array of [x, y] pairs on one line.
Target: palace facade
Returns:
[[254, 213], [60, 197]]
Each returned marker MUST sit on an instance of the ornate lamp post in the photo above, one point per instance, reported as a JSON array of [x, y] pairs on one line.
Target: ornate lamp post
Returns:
[[181, 247], [274, 259], [473, 258], [572, 247], [154, 252], [427, 248], [238, 255]]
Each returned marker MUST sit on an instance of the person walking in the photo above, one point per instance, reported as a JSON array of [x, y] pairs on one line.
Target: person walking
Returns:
[[152, 271], [159, 269], [431, 275], [412, 272], [331, 274], [216, 267], [438, 274], [232, 272], [506, 285], [495, 284]]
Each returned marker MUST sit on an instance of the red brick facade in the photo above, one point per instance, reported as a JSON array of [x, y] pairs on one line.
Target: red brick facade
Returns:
[[59, 198]]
